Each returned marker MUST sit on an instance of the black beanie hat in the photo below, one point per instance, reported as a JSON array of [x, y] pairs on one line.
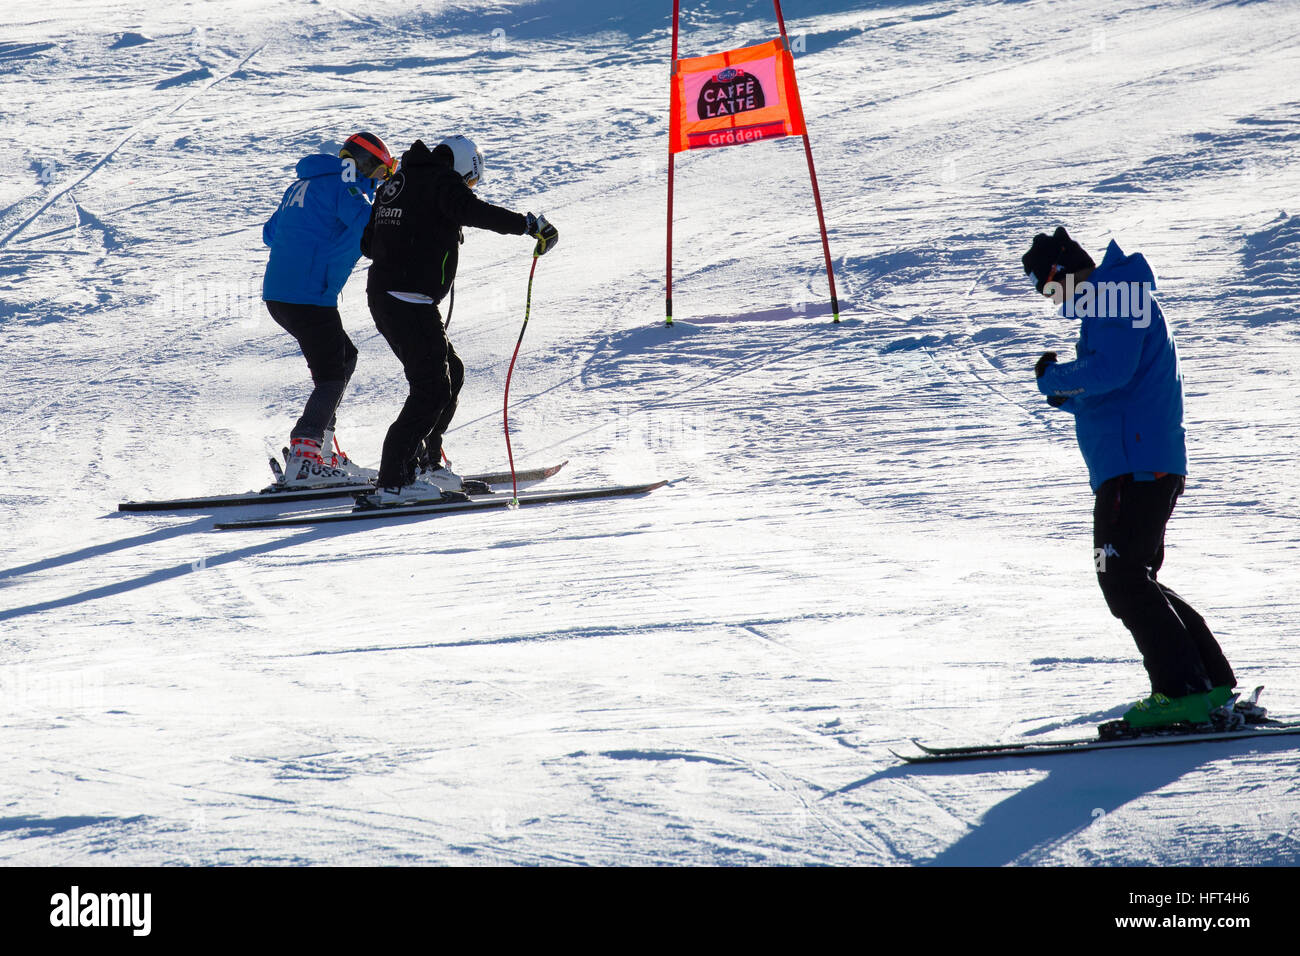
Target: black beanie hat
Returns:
[[1057, 250]]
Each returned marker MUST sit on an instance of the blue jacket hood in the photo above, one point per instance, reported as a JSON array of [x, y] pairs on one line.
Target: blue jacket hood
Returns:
[[318, 164], [1117, 267]]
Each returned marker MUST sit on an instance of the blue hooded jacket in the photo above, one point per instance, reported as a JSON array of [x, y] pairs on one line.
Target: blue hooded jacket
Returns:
[[1125, 387], [315, 234]]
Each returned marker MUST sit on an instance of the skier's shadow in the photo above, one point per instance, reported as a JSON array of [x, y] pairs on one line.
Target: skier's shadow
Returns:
[[108, 547], [202, 560], [1079, 791]]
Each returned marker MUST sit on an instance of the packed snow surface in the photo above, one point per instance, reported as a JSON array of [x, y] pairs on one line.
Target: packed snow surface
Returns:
[[874, 531]]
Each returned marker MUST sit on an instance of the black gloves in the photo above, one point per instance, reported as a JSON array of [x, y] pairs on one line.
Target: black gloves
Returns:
[[545, 234], [1044, 360]]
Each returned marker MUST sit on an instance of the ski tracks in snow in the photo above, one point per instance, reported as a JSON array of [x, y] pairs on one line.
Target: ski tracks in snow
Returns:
[[122, 141]]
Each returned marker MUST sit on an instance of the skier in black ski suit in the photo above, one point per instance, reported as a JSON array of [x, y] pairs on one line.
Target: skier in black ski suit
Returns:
[[413, 239]]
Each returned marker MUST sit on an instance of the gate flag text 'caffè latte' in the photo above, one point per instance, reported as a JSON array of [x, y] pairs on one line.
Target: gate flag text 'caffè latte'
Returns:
[[740, 96]]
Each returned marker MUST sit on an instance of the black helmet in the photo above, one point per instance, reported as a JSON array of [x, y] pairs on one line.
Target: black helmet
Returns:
[[372, 157]]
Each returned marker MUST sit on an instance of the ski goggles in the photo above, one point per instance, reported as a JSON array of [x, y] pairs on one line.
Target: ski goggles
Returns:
[[378, 168], [1051, 275]]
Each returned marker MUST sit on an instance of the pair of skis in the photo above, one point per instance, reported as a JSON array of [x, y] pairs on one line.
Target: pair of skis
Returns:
[[1259, 729], [472, 502], [468, 503], [277, 494]]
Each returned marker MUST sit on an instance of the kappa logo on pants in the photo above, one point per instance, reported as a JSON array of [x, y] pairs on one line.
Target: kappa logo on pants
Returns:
[[1099, 556]]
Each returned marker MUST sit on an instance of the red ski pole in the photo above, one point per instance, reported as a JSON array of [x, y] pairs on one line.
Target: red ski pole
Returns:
[[505, 410]]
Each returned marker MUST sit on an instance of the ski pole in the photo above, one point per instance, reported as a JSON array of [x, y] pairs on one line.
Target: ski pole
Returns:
[[505, 410]]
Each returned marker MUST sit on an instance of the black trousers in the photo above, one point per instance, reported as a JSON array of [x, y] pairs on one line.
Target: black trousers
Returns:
[[331, 357], [435, 374], [1179, 652]]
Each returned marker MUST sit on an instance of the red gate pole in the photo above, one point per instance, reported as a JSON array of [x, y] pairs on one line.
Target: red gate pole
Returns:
[[812, 174], [672, 77]]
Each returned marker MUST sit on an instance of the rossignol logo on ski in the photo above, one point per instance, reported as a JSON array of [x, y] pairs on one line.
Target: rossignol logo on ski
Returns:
[[75, 909], [729, 92]]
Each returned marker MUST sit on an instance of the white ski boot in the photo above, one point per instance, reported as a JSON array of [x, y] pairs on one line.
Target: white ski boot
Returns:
[[442, 477], [304, 468], [336, 457], [418, 492]]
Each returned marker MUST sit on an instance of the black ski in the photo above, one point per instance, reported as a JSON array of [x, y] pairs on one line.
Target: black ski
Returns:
[[1245, 714], [989, 751], [272, 496], [474, 503], [1246, 706], [1244, 719], [531, 474]]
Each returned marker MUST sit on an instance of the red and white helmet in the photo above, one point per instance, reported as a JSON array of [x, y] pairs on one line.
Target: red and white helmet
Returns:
[[467, 159]]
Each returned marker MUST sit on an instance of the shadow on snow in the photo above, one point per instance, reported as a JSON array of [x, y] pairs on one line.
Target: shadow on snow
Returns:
[[1079, 791]]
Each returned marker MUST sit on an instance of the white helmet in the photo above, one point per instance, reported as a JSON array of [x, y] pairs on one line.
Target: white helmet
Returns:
[[467, 159]]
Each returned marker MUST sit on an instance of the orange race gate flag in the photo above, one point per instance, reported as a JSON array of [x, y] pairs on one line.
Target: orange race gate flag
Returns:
[[735, 97], [732, 98]]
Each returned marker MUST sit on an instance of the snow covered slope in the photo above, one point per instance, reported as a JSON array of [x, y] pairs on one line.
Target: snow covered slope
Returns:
[[875, 530]]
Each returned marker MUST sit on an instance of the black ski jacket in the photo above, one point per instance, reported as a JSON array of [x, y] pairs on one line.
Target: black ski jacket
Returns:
[[414, 233]]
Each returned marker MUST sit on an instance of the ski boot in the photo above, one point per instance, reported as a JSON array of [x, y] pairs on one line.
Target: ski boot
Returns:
[[1159, 714], [1234, 711], [405, 497], [1161, 711], [1223, 715], [304, 468], [418, 492], [433, 465], [448, 480], [442, 477], [336, 457]]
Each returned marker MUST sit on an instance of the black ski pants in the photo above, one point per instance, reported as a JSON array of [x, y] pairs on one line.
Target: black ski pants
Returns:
[[331, 357], [435, 374], [1179, 652]]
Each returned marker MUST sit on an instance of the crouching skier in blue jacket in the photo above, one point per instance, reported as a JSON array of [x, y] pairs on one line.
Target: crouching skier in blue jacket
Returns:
[[1125, 390], [315, 240]]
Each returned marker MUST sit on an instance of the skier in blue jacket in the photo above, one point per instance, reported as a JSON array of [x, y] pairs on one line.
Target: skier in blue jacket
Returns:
[[1125, 391], [315, 240]]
